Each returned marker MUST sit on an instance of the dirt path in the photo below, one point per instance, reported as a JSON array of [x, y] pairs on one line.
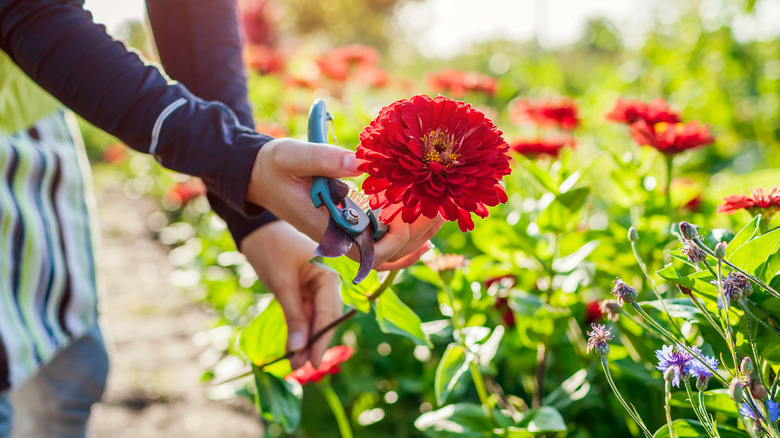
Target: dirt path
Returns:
[[154, 388]]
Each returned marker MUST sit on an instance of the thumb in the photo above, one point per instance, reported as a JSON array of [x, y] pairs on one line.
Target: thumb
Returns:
[[314, 159]]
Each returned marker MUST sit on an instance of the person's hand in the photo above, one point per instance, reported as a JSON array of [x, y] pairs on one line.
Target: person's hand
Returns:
[[310, 296], [281, 180]]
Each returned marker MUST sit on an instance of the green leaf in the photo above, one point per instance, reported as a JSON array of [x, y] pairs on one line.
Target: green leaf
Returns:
[[265, 338], [677, 307], [716, 400], [355, 295], [542, 177], [457, 420], [395, 317], [452, 365], [698, 281], [756, 252], [567, 264], [572, 389], [278, 400], [561, 214], [694, 429], [743, 236], [543, 419]]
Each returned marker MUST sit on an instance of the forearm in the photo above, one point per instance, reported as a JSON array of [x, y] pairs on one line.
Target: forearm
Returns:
[[57, 44]]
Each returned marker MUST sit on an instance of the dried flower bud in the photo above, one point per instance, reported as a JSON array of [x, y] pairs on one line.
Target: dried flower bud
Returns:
[[736, 387], [693, 252], [633, 234], [688, 231], [757, 390], [598, 338], [746, 367], [740, 281], [610, 309], [720, 250], [623, 292], [702, 382]]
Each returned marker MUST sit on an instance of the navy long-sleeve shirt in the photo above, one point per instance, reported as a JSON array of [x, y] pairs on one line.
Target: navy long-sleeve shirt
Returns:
[[205, 131]]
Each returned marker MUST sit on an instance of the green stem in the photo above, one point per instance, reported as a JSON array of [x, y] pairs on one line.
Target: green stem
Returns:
[[667, 406], [752, 277], [746, 308], [701, 414], [669, 168], [653, 286], [707, 316], [630, 409], [670, 337], [725, 315], [335, 406]]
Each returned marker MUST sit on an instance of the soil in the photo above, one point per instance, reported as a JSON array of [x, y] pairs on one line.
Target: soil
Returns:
[[154, 387]]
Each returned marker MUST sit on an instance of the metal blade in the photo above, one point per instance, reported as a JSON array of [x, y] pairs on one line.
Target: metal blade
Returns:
[[365, 244], [334, 243]]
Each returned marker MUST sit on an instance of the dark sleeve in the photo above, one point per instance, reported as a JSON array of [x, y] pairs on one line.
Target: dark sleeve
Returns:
[[199, 44], [59, 46]]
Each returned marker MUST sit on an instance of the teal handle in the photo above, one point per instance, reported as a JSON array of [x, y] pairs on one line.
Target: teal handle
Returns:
[[320, 191]]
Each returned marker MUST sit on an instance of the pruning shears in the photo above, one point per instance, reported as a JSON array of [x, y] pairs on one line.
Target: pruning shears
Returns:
[[350, 223]]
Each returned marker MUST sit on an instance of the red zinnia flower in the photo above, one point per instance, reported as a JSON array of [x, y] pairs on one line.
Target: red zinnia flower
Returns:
[[631, 111], [561, 112], [760, 200], [433, 156], [258, 24], [184, 192], [330, 365], [115, 153], [338, 63], [593, 312], [263, 59], [542, 146], [671, 138]]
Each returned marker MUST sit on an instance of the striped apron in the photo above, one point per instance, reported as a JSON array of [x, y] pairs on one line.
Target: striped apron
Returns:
[[47, 246]]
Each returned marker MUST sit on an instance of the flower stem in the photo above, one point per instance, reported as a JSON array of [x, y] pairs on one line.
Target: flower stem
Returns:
[[752, 277], [669, 169], [653, 286], [746, 308], [629, 408], [725, 316], [667, 405], [698, 408], [707, 315], [335, 406]]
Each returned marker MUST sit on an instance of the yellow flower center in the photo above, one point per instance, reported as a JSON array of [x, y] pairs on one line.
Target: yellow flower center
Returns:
[[438, 146]]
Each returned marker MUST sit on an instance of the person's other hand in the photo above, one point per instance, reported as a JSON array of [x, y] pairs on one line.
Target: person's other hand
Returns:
[[310, 296], [281, 180]]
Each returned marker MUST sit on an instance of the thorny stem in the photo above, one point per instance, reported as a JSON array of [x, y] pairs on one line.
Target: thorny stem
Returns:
[[630, 409], [652, 285], [335, 406], [752, 277]]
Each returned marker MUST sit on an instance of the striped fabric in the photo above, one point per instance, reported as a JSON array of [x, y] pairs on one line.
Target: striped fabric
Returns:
[[47, 271]]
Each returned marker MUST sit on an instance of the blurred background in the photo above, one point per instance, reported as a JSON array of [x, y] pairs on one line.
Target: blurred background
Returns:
[[716, 61]]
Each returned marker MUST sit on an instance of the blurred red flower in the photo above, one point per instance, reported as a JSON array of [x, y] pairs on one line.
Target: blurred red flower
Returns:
[[558, 112], [593, 312], [631, 111], [258, 26], [263, 59], [534, 148], [694, 205], [272, 129], [339, 62], [457, 83], [671, 138], [184, 192], [372, 76], [331, 360], [507, 315], [433, 156], [115, 153], [760, 200]]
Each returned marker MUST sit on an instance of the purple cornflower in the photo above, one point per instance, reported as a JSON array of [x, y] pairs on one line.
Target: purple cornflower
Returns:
[[771, 407], [683, 363], [735, 287], [700, 370]]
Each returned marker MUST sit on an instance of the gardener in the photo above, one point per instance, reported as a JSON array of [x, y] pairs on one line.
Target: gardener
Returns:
[[53, 362]]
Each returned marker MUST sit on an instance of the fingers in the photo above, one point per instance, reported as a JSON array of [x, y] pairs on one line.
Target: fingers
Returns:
[[327, 308], [403, 239], [294, 309], [421, 241], [306, 159], [407, 260]]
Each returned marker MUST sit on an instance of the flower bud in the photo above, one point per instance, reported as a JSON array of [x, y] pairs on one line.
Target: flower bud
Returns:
[[669, 374], [746, 367], [720, 250], [736, 387], [701, 382], [623, 292], [757, 390], [633, 234], [601, 349], [688, 231]]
